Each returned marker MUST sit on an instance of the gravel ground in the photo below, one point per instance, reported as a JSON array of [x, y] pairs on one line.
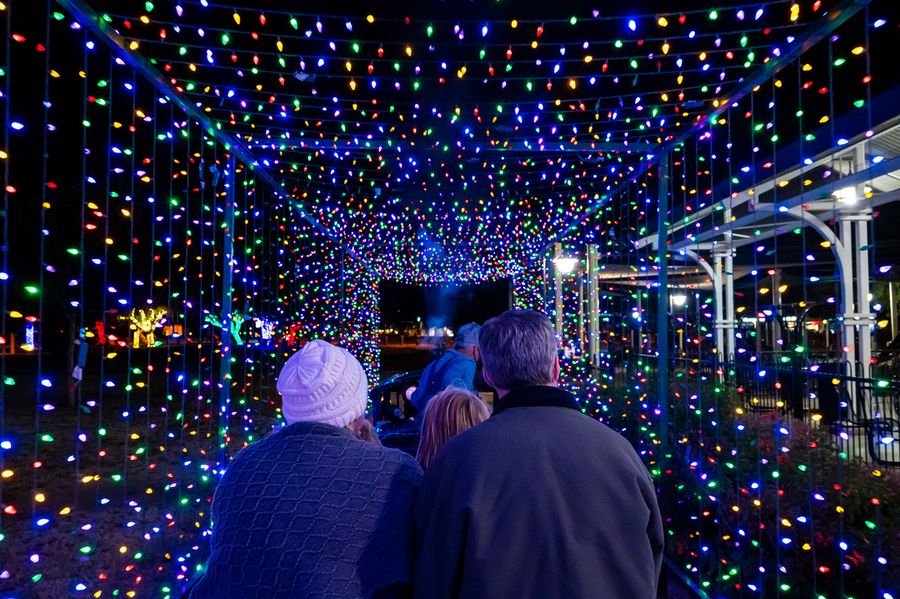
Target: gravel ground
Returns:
[[133, 526]]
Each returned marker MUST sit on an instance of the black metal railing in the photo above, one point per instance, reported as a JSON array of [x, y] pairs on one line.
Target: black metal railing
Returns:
[[862, 413]]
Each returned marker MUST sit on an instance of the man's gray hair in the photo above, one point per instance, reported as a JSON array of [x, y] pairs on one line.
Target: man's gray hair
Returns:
[[518, 348]]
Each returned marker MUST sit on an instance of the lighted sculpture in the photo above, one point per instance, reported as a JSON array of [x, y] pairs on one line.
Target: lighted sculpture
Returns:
[[557, 138], [266, 329], [237, 321], [144, 324], [31, 334]]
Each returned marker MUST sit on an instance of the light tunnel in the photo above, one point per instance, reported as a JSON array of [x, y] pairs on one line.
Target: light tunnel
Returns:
[[701, 199]]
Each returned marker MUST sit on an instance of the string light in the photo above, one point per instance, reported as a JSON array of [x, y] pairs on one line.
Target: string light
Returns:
[[189, 271]]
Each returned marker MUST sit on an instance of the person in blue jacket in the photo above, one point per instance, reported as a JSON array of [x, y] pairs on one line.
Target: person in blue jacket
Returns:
[[456, 368]]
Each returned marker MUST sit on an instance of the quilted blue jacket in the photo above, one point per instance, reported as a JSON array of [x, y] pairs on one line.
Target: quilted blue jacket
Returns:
[[311, 511]]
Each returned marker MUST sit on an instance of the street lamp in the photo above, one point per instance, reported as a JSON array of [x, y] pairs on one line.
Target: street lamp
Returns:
[[846, 195], [565, 265], [678, 300]]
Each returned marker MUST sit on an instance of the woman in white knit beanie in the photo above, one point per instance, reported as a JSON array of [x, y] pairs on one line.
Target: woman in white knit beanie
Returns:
[[326, 384], [313, 509]]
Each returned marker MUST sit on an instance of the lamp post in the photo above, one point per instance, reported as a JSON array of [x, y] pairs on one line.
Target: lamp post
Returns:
[[563, 267], [679, 300]]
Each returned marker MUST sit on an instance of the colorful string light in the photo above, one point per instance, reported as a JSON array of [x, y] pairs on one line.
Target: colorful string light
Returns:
[[391, 147]]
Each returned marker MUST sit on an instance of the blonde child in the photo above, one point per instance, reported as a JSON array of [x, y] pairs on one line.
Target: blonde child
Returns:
[[450, 412]]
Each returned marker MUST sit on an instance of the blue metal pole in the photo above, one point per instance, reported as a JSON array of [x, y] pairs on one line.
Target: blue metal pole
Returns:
[[662, 303], [227, 316]]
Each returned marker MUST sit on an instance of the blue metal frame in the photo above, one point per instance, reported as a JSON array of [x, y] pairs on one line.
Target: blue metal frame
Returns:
[[815, 33], [94, 23], [662, 303]]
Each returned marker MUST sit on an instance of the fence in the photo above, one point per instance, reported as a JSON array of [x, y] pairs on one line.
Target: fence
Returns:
[[773, 482]]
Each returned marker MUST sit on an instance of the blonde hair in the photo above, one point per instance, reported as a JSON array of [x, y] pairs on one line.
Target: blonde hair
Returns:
[[450, 412]]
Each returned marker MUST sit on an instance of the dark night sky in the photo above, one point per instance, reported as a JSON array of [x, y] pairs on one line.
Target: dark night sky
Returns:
[[459, 304]]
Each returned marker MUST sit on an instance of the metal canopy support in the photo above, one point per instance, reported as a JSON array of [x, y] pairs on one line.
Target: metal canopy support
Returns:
[[557, 292], [893, 310], [730, 322], [725, 251], [721, 276], [702, 262], [886, 130], [865, 320], [852, 256], [593, 281], [545, 298], [719, 324], [717, 280], [662, 302], [580, 346], [763, 212], [845, 260], [227, 291]]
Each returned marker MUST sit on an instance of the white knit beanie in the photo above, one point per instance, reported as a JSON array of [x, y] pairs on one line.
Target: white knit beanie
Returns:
[[322, 383]]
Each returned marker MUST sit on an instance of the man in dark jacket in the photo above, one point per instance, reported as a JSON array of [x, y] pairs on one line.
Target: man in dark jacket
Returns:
[[540, 500], [314, 509]]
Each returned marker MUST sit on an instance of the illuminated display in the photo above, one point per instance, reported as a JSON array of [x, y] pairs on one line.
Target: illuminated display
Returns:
[[183, 212]]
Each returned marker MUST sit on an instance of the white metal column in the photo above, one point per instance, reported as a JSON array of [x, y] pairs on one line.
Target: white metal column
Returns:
[[557, 292], [729, 323], [865, 318], [582, 332], [714, 273], [845, 231], [719, 308], [777, 333], [893, 311], [593, 274]]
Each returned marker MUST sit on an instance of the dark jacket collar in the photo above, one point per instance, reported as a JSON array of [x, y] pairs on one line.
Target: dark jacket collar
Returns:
[[534, 396]]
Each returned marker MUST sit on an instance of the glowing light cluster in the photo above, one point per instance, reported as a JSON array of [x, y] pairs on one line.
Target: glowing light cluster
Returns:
[[154, 278], [352, 112]]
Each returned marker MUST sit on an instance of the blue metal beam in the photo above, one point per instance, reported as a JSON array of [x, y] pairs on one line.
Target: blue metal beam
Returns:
[[815, 33], [90, 20], [662, 307], [227, 348]]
